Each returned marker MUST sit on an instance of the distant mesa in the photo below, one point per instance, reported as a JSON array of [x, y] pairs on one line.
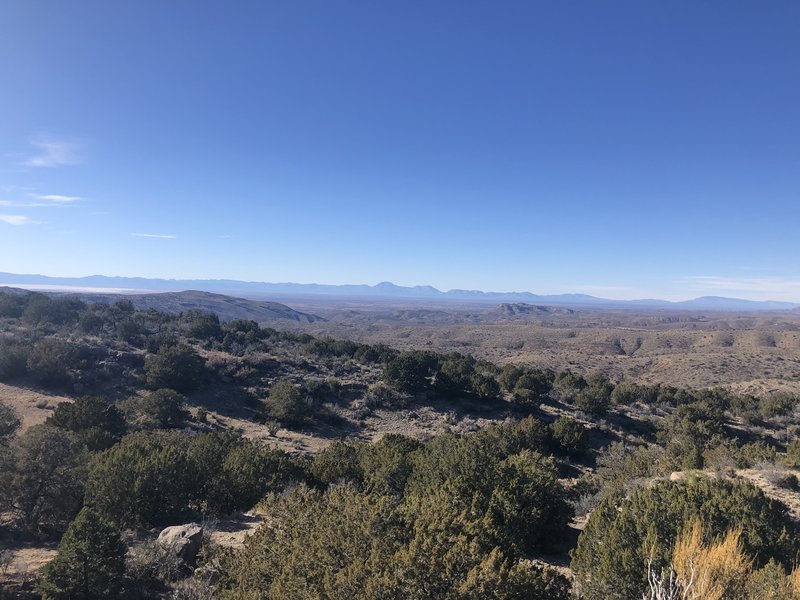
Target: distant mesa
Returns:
[[521, 310]]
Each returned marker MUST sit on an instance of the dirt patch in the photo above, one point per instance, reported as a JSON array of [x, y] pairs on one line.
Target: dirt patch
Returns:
[[231, 532], [32, 406], [420, 420], [23, 562]]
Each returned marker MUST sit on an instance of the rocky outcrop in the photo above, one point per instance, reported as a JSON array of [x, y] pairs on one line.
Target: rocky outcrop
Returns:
[[183, 540]]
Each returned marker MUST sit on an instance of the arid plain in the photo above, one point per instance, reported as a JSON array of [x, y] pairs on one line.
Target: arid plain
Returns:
[[746, 352]]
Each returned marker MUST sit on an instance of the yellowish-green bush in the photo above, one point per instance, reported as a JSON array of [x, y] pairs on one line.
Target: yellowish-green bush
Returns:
[[624, 531]]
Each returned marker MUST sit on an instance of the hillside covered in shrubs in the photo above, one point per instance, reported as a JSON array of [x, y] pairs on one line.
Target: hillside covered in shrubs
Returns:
[[542, 484]]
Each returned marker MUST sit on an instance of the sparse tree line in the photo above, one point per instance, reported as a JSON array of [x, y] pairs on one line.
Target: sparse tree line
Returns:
[[458, 516], [64, 344], [454, 516]]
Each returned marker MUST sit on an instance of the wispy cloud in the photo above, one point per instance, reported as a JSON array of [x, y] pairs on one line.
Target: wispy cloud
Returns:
[[57, 198], [17, 220], [772, 288], [155, 236], [42, 202], [14, 189], [53, 153]]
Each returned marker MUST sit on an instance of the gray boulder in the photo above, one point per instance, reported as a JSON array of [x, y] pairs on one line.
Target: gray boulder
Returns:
[[183, 540]]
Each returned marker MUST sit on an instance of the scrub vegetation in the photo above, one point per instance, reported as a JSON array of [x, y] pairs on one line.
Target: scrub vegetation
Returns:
[[372, 471]]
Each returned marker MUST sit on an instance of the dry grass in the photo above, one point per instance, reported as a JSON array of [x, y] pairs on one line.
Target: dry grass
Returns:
[[33, 407], [24, 561], [719, 570], [710, 571], [793, 583]]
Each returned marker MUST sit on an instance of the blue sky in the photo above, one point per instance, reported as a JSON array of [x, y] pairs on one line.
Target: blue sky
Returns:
[[622, 149]]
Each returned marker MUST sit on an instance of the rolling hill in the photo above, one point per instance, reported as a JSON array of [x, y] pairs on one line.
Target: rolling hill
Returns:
[[227, 308]]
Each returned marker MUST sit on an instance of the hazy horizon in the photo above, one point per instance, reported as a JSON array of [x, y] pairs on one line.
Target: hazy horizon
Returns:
[[74, 287], [621, 150]]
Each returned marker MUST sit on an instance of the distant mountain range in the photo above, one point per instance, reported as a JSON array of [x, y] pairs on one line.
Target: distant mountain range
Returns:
[[384, 290]]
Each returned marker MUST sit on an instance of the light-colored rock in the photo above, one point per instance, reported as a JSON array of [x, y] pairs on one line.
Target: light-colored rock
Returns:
[[183, 540]]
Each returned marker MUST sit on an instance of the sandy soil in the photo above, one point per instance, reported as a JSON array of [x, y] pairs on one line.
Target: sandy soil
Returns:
[[232, 532], [24, 561], [32, 406]]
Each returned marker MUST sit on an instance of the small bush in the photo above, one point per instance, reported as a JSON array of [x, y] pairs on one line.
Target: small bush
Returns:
[[585, 504], [792, 458], [97, 423], [202, 325], [525, 399], [411, 371], [756, 452], [198, 587], [381, 395], [154, 564], [176, 367], [594, 400], [789, 481], [569, 436], [286, 403], [50, 361], [162, 409], [776, 405], [13, 361]]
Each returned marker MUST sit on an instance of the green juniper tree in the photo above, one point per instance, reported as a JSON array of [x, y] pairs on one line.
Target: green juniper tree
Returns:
[[90, 564]]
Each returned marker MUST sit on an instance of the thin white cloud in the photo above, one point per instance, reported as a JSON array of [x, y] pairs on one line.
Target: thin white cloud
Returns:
[[57, 198], [53, 153], [17, 220], [43, 204], [155, 236]]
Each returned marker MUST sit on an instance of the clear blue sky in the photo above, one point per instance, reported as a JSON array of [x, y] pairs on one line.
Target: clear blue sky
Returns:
[[624, 149]]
